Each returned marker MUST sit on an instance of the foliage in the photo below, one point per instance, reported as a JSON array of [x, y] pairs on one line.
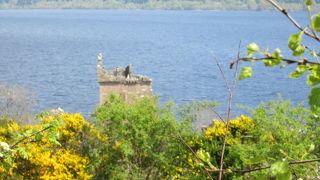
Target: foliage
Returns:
[[298, 49], [58, 148], [16, 102], [142, 140], [142, 137], [276, 135]]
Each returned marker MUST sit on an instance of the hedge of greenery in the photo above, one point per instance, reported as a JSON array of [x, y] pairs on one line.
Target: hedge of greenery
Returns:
[[146, 141]]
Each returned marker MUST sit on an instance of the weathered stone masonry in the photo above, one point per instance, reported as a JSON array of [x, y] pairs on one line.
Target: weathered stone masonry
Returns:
[[122, 81]]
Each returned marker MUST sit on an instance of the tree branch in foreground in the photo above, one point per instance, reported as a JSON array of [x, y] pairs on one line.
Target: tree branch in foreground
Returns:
[[295, 23], [289, 61], [231, 90]]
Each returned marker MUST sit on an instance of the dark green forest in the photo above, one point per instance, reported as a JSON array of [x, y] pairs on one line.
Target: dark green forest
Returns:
[[149, 4]]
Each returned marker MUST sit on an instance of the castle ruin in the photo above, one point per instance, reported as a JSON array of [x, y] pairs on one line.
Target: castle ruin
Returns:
[[122, 81]]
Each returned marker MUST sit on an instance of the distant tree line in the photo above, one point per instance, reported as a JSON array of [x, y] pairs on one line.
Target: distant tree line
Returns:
[[150, 4]]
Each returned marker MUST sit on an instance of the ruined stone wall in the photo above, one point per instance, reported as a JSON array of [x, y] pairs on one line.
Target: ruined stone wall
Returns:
[[123, 82], [127, 91]]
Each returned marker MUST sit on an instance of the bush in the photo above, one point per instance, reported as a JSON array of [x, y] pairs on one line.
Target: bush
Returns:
[[16, 102], [142, 137], [142, 140], [60, 147], [264, 146]]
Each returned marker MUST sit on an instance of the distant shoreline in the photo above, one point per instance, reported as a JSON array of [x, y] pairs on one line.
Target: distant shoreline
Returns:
[[214, 6], [137, 9]]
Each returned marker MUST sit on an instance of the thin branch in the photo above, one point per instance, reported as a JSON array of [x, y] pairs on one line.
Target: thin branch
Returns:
[[304, 161], [289, 61], [229, 114], [295, 23], [310, 20], [243, 171], [223, 75], [194, 154], [236, 70], [27, 137], [219, 116]]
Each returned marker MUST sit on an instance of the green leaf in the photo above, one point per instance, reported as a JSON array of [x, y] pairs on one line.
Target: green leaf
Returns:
[[313, 80], [313, 53], [311, 148], [316, 23], [272, 62], [300, 50], [126, 148], [273, 59], [246, 72], [308, 2], [314, 98], [205, 157], [268, 62], [251, 49], [280, 170], [38, 136], [23, 152], [202, 155], [299, 71], [256, 160], [277, 54], [52, 137], [295, 40]]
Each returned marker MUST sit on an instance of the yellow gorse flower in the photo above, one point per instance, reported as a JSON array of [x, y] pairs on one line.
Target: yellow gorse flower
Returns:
[[47, 160], [240, 125]]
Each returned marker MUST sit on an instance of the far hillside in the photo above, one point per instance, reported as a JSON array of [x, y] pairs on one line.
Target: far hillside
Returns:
[[148, 4]]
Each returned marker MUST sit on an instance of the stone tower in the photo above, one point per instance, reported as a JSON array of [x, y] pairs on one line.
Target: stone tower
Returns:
[[122, 81]]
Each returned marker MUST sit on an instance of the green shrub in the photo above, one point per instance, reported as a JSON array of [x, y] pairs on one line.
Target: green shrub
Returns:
[[278, 135], [142, 137]]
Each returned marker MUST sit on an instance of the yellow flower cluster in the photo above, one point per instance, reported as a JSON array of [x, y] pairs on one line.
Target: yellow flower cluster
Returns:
[[239, 126], [117, 145], [217, 130], [43, 159], [71, 123], [62, 164], [242, 123]]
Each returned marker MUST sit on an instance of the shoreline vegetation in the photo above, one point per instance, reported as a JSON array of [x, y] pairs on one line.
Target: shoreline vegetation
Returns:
[[293, 5]]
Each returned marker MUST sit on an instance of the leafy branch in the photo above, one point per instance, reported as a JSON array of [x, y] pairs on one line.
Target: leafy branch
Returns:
[[295, 23], [51, 127], [288, 61], [299, 50], [31, 135]]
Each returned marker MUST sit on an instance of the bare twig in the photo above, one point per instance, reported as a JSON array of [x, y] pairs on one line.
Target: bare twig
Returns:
[[219, 116], [223, 75], [295, 23], [304, 161], [243, 171], [229, 113]]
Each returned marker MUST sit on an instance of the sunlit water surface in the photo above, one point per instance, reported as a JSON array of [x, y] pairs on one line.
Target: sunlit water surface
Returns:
[[54, 53]]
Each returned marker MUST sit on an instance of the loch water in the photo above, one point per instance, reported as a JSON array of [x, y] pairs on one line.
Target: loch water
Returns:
[[54, 52]]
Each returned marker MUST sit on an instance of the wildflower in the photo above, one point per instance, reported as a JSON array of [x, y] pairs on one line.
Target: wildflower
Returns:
[[5, 146]]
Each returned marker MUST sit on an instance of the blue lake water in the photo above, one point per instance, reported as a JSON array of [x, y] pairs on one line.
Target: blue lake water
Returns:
[[54, 53]]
